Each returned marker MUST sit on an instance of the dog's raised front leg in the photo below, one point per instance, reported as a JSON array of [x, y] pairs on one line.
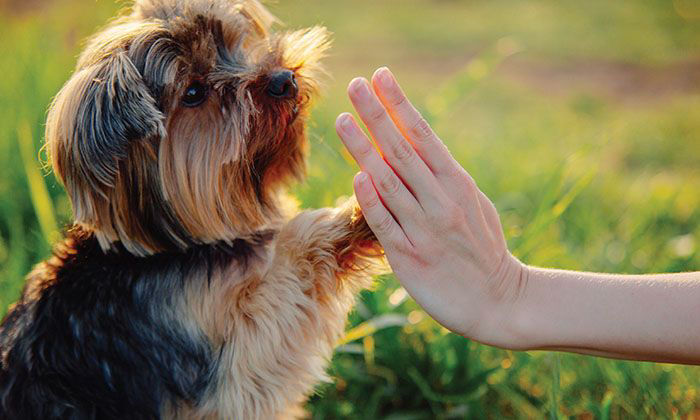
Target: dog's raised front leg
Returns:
[[332, 250], [279, 326]]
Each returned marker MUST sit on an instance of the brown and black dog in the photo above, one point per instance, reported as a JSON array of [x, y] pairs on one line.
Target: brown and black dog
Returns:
[[188, 286]]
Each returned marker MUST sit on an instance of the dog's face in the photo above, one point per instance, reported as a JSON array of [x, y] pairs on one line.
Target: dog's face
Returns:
[[183, 121]]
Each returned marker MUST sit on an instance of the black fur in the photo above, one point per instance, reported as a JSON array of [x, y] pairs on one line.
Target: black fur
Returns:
[[103, 337]]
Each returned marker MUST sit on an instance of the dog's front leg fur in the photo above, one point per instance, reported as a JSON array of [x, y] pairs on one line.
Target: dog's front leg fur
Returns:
[[332, 254], [332, 250], [287, 320]]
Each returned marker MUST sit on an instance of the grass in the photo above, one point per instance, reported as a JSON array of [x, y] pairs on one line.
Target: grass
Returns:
[[586, 176]]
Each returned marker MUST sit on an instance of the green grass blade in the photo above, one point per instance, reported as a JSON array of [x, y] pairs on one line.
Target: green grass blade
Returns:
[[544, 219], [373, 325], [606, 405], [41, 200], [556, 385], [468, 396]]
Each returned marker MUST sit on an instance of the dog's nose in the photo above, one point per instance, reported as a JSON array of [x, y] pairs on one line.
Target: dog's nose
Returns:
[[283, 85]]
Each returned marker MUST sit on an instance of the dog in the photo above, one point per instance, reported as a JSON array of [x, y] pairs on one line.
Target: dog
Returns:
[[189, 286]]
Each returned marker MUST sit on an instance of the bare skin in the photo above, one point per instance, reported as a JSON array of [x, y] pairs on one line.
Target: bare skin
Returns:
[[444, 240]]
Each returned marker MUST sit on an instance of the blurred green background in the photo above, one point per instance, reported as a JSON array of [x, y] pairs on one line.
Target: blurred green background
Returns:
[[581, 120]]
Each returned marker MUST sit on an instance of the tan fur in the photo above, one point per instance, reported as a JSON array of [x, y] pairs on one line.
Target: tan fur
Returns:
[[278, 324], [155, 176]]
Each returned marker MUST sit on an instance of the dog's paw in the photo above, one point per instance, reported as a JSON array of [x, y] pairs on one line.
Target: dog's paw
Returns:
[[359, 245], [360, 230]]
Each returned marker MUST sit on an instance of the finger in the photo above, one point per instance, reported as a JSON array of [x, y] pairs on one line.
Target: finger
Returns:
[[393, 192], [455, 181], [411, 123], [379, 219], [396, 150], [408, 119]]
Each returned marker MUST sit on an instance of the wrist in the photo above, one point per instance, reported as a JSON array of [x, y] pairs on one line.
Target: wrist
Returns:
[[547, 313], [506, 316], [520, 328]]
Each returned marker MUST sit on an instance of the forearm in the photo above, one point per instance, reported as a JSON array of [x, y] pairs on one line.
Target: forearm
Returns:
[[651, 317]]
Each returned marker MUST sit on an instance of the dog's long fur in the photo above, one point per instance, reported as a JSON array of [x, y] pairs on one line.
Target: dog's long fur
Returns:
[[188, 287]]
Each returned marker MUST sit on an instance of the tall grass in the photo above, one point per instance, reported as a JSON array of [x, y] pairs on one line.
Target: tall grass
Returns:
[[583, 179]]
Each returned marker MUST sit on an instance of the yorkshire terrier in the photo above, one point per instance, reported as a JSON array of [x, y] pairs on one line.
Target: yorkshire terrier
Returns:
[[188, 287]]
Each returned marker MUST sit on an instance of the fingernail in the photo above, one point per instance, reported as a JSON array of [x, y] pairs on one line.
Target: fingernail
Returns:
[[385, 77], [361, 89], [346, 123], [362, 178]]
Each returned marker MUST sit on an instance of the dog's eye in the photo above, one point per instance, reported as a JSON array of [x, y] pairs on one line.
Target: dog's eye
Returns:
[[195, 95]]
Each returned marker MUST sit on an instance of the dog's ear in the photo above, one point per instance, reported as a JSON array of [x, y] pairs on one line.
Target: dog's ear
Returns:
[[103, 108]]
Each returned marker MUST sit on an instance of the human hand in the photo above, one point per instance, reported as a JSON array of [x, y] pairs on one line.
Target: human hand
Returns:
[[441, 234]]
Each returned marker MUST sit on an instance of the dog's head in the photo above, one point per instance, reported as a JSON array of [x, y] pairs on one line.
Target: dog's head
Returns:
[[183, 121]]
